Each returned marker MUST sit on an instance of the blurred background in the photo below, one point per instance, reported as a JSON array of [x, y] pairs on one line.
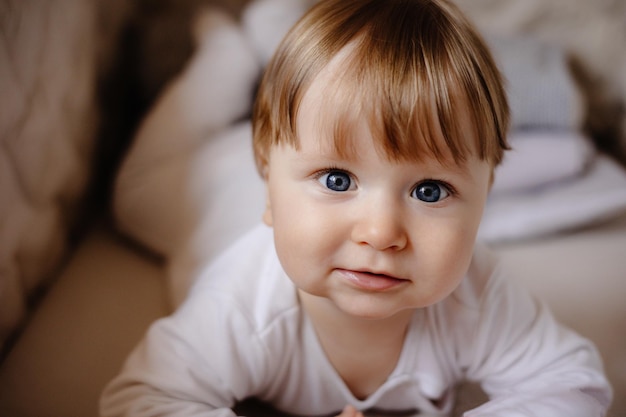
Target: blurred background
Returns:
[[79, 77]]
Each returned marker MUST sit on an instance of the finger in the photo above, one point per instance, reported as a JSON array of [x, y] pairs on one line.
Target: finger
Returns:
[[354, 412], [349, 411]]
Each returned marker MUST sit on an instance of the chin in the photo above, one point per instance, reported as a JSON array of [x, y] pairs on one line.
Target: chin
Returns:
[[373, 309]]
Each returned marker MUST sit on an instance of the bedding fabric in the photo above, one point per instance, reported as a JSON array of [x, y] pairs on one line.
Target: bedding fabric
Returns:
[[48, 119], [540, 86], [540, 158], [597, 195]]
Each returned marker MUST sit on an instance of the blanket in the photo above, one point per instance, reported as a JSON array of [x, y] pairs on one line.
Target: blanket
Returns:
[[47, 126]]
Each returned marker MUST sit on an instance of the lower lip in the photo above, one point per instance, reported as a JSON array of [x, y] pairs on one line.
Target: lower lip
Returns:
[[371, 282]]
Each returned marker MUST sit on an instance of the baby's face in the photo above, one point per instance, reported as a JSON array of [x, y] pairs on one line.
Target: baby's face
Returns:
[[373, 236]]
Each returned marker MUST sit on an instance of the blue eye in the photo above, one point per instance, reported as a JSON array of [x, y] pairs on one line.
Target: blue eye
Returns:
[[336, 181], [430, 192]]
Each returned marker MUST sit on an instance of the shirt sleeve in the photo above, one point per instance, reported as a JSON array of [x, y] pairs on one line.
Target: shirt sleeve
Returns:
[[527, 363], [198, 362]]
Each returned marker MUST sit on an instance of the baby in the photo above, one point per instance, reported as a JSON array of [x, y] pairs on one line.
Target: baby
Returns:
[[377, 128]]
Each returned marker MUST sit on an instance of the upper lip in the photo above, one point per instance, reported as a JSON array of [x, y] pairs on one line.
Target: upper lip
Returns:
[[374, 272]]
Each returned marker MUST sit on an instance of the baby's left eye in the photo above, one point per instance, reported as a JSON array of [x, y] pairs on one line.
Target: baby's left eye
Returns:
[[430, 192]]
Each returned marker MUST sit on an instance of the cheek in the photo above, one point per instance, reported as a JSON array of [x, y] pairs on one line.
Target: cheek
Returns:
[[298, 215], [291, 215], [450, 251], [302, 232], [466, 230]]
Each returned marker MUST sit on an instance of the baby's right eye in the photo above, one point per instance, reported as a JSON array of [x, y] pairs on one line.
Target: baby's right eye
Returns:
[[336, 180]]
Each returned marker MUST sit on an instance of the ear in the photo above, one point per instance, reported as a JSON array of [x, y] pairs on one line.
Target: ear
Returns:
[[267, 214]]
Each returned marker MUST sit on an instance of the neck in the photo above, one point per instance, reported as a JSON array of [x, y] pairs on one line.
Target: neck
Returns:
[[364, 352]]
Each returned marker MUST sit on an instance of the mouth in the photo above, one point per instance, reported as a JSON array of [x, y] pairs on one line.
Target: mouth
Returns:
[[371, 281]]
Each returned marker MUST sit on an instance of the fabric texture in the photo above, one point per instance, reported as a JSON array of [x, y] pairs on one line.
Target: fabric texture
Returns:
[[51, 57], [578, 201], [542, 158], [540, 86], [75, 342], [242, 333]]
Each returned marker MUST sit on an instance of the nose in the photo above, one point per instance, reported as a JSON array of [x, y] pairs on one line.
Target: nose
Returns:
[[380, 225]]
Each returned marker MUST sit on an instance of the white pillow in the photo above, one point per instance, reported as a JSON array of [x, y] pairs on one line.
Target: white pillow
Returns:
[[597, 195], [229, 198], [540, 158], [154, 200]]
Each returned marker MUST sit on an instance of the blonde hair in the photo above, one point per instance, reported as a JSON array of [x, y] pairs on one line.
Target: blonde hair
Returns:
[[415, 67]]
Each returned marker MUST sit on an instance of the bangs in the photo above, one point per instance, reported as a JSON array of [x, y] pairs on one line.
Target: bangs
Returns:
[[414, 69], [408, 117]]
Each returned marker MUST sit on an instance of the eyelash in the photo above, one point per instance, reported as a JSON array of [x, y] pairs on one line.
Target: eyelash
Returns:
[[441, 183], [319, 174], [449, 188], [443, 186]]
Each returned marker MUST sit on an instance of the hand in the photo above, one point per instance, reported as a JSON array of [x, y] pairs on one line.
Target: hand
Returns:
[[350, 411]]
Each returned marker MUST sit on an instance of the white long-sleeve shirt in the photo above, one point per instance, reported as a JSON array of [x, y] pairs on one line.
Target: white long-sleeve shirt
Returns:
[[243, 333]]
